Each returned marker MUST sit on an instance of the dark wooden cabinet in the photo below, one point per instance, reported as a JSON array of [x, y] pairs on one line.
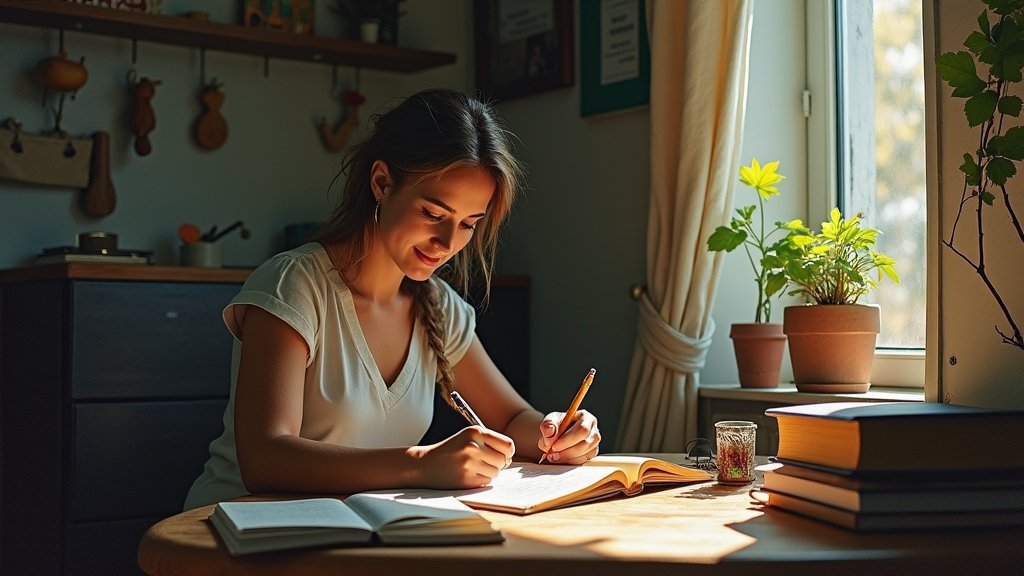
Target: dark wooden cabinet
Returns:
[[111, 393], [113, 382]]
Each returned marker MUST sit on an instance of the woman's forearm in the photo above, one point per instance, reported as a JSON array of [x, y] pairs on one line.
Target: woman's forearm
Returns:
[[524, 429], [292, 464]]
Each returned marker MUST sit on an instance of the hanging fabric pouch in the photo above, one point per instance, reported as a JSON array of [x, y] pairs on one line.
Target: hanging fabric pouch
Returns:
[[57, 160]]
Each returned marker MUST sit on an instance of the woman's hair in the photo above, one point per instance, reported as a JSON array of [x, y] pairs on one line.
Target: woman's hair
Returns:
[[427, 134]]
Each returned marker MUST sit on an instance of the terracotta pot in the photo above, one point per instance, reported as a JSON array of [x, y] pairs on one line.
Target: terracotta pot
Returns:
[[758, 349], [832, 347]]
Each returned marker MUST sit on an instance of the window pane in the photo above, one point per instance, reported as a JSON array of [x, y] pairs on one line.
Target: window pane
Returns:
[[882, 150]]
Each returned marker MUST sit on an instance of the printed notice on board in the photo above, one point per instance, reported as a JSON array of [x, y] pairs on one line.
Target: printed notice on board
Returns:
[[519, 19], [620, 41]]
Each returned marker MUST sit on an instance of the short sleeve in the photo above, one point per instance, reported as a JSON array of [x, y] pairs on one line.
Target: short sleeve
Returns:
[[461, 323], [285, 287]]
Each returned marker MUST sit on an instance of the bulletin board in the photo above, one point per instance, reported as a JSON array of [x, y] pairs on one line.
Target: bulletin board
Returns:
[[615, 57]]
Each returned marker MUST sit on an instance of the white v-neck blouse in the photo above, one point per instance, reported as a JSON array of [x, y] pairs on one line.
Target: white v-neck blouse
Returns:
[[345, 398]]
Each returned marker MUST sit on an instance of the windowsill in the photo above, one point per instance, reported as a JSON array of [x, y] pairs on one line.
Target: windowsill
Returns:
[[787, 393]]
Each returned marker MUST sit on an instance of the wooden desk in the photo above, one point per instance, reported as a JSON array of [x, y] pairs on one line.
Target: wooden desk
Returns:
[[698, 529]]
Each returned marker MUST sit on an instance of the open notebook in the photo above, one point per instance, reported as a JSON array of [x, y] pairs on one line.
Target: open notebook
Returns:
[[398, 518], [525, 487]]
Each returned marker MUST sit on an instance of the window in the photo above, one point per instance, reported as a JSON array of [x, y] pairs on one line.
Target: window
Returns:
[[867, 146]]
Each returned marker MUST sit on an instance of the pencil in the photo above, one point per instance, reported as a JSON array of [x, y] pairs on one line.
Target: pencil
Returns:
[[570, 414], [463, 408]]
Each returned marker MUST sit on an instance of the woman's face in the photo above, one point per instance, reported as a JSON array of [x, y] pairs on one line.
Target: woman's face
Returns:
[[423, 225]]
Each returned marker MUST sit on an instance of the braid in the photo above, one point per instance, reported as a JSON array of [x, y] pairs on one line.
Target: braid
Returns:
[[431, 315]]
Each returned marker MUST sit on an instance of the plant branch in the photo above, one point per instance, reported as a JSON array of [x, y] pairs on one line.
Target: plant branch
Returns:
[[998, 46], [1017, 339], [1013, 215]]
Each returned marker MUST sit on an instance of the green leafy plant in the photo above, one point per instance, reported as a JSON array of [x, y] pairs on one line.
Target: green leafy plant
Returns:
[[834, 266], [748, 230], [988, 167]]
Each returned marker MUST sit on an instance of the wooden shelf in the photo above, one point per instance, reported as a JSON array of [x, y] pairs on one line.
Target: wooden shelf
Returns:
[[182, 31]]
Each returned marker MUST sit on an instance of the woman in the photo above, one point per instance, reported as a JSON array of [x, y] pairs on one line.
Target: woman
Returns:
[[339, 343]]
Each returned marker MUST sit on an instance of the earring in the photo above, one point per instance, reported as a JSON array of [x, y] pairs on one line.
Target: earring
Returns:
[[376, 214]]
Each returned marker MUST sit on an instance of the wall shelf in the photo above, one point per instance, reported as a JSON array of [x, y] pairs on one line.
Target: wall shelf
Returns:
[[183, 31]]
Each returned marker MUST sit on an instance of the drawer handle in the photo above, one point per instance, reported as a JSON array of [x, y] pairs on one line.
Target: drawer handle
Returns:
[[171, 314]]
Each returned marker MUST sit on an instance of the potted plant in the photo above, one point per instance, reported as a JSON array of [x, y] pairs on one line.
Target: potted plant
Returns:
[[759, 345], [377, 19], [832, 339], [990, 160]]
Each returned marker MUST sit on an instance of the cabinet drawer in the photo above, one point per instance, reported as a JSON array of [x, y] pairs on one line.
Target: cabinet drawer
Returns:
[[149, 340], [139, 459], [104, 548]]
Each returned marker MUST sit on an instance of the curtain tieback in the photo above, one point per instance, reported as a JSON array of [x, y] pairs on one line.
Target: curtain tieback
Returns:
[[668, 346]]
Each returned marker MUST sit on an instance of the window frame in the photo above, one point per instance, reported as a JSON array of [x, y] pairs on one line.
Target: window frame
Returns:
[[893, 367]]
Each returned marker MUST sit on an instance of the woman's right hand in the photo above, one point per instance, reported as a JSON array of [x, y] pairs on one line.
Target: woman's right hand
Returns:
[[470, 458]]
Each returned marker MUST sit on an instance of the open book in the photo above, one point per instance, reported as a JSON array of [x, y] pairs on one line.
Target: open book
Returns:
[[525, 487], [362, 519]]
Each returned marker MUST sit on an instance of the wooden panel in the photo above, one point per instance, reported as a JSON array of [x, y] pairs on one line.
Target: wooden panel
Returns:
[[33, 433], [504, 329], [139, 459], [105, 548], [150, 340]]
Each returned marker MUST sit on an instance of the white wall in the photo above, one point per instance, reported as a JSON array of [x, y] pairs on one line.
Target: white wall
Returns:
[[580, 231]]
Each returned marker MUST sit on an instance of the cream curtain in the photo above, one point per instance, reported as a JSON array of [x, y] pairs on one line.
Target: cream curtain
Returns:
[[699, 53]]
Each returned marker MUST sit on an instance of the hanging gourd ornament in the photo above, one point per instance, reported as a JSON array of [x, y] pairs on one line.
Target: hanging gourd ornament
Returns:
[[212, 129], [143, 118], [334, 139], [60, 74]]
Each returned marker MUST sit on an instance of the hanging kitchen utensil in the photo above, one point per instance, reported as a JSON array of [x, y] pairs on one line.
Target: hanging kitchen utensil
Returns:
[[98, 199]]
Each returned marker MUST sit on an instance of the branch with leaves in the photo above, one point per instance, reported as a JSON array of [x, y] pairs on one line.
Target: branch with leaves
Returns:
[[989, 105]]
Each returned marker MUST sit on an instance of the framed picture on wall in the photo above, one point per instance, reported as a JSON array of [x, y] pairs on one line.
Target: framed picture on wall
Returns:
[[523, 47], [615, 57]]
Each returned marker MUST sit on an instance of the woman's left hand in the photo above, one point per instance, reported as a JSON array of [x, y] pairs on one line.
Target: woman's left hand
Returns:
[[580, 443]]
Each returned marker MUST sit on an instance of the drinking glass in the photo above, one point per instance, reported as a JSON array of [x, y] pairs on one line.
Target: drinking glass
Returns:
[[736, 441]]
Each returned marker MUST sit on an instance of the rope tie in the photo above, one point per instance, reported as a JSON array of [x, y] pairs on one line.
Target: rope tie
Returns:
[[668, 346]]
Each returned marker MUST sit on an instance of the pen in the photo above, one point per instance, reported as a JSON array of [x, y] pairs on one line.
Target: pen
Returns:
[[570, 414], [463, 408]]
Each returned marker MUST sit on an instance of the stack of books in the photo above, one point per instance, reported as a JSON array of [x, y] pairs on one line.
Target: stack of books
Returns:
[[899, 465]]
